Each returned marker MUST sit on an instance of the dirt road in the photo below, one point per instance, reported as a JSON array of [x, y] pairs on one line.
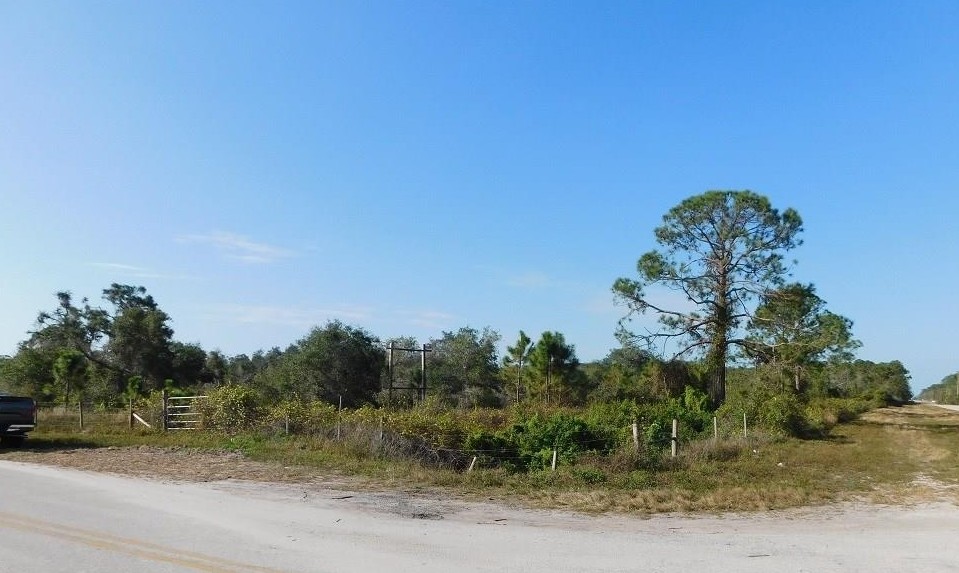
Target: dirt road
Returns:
[[66, 520]]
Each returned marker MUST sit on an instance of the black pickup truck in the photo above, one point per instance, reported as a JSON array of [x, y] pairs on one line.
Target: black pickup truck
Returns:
[[18, 415]]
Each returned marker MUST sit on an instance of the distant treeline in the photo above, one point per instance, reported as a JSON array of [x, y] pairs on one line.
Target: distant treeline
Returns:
[[945, 392], [108, 354]]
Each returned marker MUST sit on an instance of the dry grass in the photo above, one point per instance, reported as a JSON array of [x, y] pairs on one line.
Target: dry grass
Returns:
[[892, 455]]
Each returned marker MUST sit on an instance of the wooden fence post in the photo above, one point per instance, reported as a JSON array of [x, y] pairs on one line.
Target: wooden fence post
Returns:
[[715, 429], [80, 406], [744, 424], [164, 413], [339, 413], [635, 436], [553, 466], [675, 438], [131, 412]]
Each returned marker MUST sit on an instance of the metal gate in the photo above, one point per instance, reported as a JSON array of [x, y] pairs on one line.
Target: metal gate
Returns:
[[181, 413]]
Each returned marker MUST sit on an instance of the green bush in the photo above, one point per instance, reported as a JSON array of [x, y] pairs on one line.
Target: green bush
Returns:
[[691, 411], [303, 417], [231, 409], [780, 413], [529, 444]]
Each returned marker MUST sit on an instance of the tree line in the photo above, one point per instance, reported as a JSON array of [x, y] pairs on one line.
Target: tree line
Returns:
[[722, 251]]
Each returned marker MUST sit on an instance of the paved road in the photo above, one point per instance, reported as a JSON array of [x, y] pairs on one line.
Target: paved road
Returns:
[[67, 521]]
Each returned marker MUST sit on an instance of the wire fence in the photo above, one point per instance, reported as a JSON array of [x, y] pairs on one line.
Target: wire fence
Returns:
[[91, 417], [378, 438]]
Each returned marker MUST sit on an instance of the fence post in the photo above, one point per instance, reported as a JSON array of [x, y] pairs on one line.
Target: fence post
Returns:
[[80, 406], [553, 466], [636, 436], [715, 429], [339, 413], [165, 412], [131, 412], [381, 427], [675, 438], [744, 424]]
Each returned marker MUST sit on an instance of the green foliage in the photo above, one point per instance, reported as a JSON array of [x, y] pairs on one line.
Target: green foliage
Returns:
[[30, 373], [554, 371], [231, 409], [883, 382], [513, 372], [822, 414], [302, 417], [331, 362], [792, 329], [529, 443], [945, 392], [720, 250], [134, 386], [691, 411], [463, 370]]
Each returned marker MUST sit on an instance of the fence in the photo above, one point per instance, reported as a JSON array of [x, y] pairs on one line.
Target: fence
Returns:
[[167, 413], [374, 435], [85, 416], [182, 412]]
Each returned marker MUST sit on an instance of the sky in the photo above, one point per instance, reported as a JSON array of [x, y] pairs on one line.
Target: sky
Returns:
[[413, 168]]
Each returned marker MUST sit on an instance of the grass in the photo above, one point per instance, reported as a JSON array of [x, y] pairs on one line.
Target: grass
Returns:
[[892, 455]]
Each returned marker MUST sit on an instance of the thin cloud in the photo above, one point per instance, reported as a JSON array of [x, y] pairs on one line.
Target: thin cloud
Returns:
[[531, 280], [240, 248], [134, 271], [287, 316], [432, 319]]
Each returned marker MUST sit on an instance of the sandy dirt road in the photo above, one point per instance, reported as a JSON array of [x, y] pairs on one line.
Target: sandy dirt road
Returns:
[[65, 520]]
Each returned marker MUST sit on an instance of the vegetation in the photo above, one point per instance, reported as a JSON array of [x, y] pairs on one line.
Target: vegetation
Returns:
[[749, 350], [721, 250], [945, 392], [889, 455]]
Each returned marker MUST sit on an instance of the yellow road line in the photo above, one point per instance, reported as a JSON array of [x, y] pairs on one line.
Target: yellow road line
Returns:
[[130, 546]]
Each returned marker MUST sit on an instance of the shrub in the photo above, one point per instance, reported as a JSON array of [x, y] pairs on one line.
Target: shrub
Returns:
[[303, 417], [231, 409], [528, 445]]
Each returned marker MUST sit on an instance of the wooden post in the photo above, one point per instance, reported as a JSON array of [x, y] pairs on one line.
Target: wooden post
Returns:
[[165, 412], [715, 429], [675, 438], [553, 466], [472, 464], [131, 412], [635, 436], [80, 406], [339, 413], [381, 427], [286, 423], [744, 424]]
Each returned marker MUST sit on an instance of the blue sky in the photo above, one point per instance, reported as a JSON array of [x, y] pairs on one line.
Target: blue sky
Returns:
[[415, 167]]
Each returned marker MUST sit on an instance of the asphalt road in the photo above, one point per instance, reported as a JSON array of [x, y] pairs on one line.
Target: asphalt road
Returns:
[[57, 520]]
